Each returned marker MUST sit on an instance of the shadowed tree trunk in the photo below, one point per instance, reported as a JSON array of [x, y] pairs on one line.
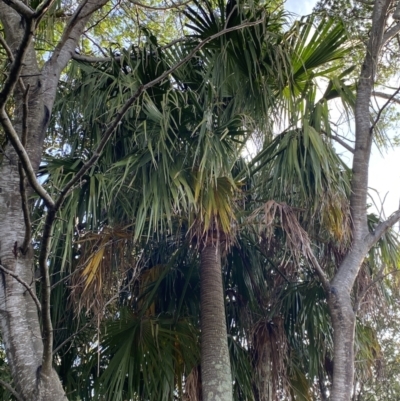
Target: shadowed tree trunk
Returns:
[[33, 97], [342, 309], [215, 365]]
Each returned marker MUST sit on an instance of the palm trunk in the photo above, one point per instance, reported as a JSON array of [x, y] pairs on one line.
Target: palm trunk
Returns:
[[215, 364]]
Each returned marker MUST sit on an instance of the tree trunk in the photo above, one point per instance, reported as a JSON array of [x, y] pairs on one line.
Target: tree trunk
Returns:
[[215, 364], [19, 320], [343, 323], [340, 305]]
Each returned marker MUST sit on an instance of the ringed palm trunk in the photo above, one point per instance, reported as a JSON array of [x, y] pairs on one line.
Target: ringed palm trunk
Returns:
[[215, 364]]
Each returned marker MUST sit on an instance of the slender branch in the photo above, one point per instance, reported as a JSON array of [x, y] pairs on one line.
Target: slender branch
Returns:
[[24, 283], [22, 187], [25, 160], [138, 4], [47, 326], [11, 390], [70, 338], [342, 142], [17, 64], [120, 114], [390, 33], [382, 227], [20, 8], [383, 108], [95, 44], [90, 59], [25, 210], [84, 10], [317, 267], [42, 9], [386, 96]]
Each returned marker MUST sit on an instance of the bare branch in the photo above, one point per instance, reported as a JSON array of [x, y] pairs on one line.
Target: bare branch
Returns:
[[386, 96], [17, 64], [47, 326], [91, 59], [382, 109], [177, 5], [24, 283], [390, 33], [342, 142], [381, 228], [42, 9], [25, 160], [74, 29], [11, 390], [22, 187], [120, 114], [317, 267], [70, 338]]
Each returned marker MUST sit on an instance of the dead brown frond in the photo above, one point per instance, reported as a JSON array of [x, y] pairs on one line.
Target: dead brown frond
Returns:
[[106, 257], [270, 355], [297, 240], [193, 385]]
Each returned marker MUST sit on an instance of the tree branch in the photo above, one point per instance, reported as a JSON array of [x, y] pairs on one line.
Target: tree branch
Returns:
[[381, 228], [384, 95], [71, 337], [390, 33], [11, 390], [91, 59], [138, 4], [65, 48], [17, 63], [47, 326], [24, 283], [25, 160], [342, 142], [383, 108], [20, 8], [317, 267], [22, 187]]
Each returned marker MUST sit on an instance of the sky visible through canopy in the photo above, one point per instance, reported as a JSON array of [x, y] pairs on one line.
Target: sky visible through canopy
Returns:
[[384, 168]]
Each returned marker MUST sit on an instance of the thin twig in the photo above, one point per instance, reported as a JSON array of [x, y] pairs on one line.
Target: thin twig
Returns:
[[71, 337], [11, 390], [24, 283], [390, 99]]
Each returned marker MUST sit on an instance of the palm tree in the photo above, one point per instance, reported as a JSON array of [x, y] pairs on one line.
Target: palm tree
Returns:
[[178, 153]]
